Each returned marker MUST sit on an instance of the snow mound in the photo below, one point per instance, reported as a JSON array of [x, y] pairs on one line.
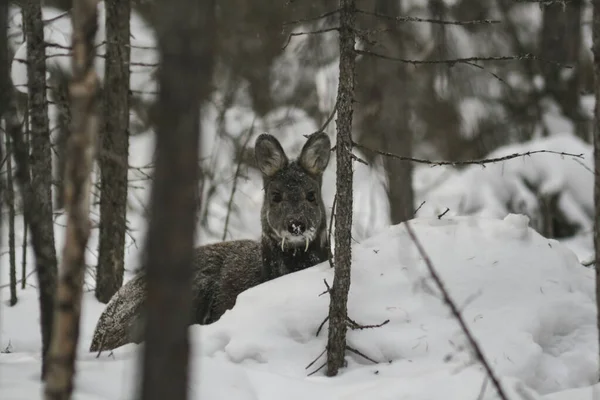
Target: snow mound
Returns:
[[527, 300], [515, 185]]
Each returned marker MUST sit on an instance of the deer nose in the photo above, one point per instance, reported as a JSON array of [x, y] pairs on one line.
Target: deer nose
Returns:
[[296, 227]]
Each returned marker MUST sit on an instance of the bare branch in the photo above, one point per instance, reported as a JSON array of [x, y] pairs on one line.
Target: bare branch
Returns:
[[456, 313], [428, 20], [466, 60], [481, 162], [324, 30]]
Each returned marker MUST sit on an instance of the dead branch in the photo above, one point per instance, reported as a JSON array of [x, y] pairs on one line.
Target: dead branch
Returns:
[[481, 162], [428, 20], [454, 61], [456, 313], [293, 34]]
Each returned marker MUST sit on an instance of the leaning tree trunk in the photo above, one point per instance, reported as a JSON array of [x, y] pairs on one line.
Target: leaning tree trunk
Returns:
[[596, 51], [338, 307], [38, 195], [83, 91], [185, 81], [114, 154]]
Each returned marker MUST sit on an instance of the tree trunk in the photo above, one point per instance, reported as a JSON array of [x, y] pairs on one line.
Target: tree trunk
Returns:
[[5, 85], [115, 150], [382, 113], [338, 307], [596, 52], [561, 43], [185, 32], [38, 199], [60, 96], [83, 91], [10, 202]]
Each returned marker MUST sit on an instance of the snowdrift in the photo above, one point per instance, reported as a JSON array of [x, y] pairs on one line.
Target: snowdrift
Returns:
[[527, 300]]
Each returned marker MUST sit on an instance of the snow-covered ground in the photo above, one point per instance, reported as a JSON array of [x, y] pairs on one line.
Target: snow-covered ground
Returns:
[[527, 299]]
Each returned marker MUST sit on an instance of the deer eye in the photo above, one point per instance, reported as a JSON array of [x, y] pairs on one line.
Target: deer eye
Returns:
[[276, 197], [310, 196]]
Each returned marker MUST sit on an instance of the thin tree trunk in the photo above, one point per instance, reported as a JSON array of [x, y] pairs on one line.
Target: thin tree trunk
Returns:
[[38, 197], [185, 30], [596, 51], [338, 307], [10, 202], [115, 150], [83, 91], [24, 254], [5, 85], [25, 243], [60, 96]]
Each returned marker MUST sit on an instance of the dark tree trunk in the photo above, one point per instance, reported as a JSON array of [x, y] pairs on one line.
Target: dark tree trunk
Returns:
[[60, 96], [596, 51], [561, 43], [10, 202], [83, 91], [38, 199], [5, 85], [185, 31], [384, 108], [338, 307], [114, 153]]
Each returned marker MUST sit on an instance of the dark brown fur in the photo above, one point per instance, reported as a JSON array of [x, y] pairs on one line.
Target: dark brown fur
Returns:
[[294, 237]]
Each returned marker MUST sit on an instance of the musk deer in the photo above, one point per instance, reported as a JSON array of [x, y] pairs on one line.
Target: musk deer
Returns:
[[294, 237]]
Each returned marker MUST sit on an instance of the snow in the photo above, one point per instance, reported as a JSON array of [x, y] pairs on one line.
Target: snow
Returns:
[[527, 299]]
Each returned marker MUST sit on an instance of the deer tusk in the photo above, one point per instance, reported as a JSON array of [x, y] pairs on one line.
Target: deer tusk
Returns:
[[282, 242], [306, 248]]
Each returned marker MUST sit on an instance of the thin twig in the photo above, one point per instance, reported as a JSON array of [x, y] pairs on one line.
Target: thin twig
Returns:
[[355, 351], [429, 20], [456, 313], [468, 162], [454, 61], [324, 30], [235, 180]]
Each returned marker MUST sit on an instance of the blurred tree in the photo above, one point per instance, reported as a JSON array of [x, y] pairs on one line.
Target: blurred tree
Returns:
[[186, 38], [385, 99], [79, 160], [114, 151], [37, 189]]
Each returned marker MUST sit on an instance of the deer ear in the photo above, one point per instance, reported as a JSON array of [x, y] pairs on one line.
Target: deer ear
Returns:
[[269, 154], [315, 153]]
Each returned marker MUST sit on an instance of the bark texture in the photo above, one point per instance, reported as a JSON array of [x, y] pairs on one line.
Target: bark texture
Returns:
[[338, 307], [115, 150], [596, 51], [185, 31], [38, 195], [83, 91]]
